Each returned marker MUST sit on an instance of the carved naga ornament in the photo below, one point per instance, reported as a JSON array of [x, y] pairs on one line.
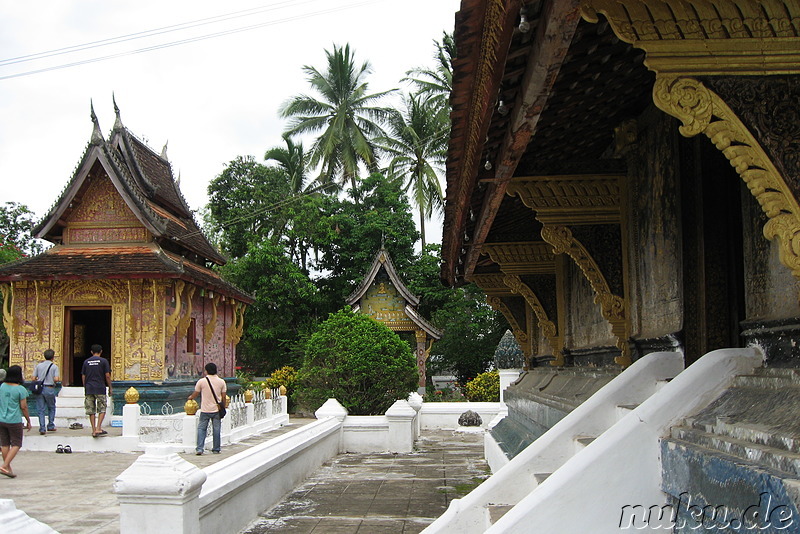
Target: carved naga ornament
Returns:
[[686, 38]]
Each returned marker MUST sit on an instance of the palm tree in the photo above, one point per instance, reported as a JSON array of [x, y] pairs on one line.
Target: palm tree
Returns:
[[345, 116], [292, 160], [436, 83], [417, 141]]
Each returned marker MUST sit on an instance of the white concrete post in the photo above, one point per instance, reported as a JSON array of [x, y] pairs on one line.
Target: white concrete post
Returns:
[[415, 401], [331, 408], [190, 432], [225, 430], [159, 493], [130, 420], [401, 426], [14, 520], [507, 377], [250, 414]]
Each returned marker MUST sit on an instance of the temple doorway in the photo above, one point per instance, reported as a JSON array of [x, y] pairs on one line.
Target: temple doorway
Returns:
[[85, 326]]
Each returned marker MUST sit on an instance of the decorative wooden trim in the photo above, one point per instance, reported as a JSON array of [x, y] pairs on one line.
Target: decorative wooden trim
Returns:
[[547, 327], [570, 199], [491, 283], [535, 257], [612, 307], [174, 317], [698, 37], [703, 111]]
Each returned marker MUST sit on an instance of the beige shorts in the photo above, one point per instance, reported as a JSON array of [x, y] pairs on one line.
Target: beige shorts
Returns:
[[94, 403]]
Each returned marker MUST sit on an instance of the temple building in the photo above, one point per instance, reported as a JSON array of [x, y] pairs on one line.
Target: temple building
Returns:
[[623, 178], [129, 269], [383, 296]]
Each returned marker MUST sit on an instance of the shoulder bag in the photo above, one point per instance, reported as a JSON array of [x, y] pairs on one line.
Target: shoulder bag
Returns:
[[220, 405]]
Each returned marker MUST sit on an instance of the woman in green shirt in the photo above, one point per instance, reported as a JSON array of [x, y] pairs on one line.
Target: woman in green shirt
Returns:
[[13, 405]]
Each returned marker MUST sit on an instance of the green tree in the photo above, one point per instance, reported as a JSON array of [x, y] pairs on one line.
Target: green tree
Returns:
[[293, 160], [285, 304], [383, 218], [16, 239], [417, 143], [357, 361], [245, 203], [436, 83], [471, 333], [423, 278], [345, 116]]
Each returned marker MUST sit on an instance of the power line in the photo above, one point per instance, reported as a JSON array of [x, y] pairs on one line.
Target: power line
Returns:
[[170, 44]]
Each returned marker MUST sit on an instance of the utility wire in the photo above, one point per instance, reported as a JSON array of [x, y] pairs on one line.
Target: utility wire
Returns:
[[190, 40]]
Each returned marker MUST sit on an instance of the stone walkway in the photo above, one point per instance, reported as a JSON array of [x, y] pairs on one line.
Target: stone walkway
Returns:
[[364, 493], [382, 493], [72, 493]]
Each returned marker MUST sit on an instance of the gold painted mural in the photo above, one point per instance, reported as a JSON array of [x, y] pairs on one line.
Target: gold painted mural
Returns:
[[383, 303]]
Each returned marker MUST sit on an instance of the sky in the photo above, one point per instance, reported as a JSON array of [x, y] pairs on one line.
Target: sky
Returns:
[[212, 98]]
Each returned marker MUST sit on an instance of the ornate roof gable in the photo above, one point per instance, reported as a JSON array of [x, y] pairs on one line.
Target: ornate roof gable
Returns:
[[145, 181]]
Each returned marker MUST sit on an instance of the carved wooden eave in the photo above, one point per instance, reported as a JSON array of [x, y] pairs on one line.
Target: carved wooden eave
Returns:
[[549, 47], [687, 39], [472, 101], [572, 200]]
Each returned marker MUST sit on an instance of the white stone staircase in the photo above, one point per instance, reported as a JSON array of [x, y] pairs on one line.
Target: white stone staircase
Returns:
[[604, 455]]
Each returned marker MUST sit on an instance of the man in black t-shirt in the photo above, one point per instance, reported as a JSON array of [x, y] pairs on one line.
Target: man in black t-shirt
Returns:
[[96, 374]]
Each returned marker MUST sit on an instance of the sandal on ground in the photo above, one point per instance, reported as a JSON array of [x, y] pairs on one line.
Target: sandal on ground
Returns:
[[102, 433], [67, 449], [9, 474], [75, 426], [60, 448]]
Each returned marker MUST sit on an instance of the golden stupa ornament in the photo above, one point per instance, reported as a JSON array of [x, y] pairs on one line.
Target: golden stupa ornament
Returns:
[[190, 407], [227, 400], [131, 395], [283, 391], [248, 395]]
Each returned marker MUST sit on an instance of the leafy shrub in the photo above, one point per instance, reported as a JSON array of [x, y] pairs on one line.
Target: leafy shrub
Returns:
[[357, 361], [484, 388], [281, 377]]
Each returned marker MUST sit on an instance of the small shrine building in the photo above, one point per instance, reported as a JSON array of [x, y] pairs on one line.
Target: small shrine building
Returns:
[[383, 296], [130, 269]]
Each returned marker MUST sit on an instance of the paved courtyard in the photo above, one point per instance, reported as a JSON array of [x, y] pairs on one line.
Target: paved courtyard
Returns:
[[382, 493], [364, 493]]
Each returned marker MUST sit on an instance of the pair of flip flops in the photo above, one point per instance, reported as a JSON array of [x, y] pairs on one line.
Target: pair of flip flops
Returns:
[[66, 449], [99, 434]]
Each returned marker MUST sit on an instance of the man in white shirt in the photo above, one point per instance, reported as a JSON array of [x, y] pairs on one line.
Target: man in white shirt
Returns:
[[209, 410]]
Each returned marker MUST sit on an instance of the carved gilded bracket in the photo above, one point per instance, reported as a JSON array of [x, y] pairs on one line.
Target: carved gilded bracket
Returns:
[[612, 307], [703, 111], [174, 317], [237, 329], [8, 308], [183, 324], [546, 326], [210, 326]]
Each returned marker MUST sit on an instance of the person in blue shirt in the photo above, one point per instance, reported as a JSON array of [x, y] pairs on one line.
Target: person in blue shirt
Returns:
[[13, 406]]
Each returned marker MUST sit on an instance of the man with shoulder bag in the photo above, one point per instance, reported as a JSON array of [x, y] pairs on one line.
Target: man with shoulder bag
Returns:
[[212, 390], [47, 377]]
